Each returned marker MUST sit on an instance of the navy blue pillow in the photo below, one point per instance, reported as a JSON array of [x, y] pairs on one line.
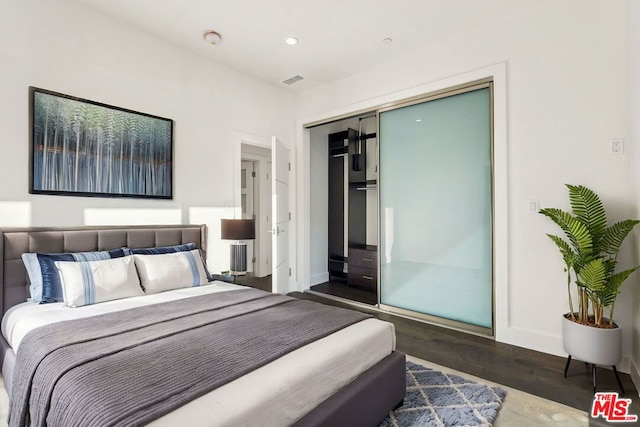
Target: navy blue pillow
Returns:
[[51, 286], [160, 249]]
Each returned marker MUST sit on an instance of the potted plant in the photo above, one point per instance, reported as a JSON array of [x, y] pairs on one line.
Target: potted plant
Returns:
[[590, 250]]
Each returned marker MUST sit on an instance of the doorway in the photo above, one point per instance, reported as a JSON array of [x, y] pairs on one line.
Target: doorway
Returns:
[[255, 202]]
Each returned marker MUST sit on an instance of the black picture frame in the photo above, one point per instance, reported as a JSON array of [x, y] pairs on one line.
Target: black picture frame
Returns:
[[80, 147]]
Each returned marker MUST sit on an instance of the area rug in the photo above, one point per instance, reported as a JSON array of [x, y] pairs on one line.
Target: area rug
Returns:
[[443, 400]]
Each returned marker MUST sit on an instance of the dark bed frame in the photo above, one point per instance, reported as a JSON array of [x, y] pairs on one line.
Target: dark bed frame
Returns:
[[364, 402]]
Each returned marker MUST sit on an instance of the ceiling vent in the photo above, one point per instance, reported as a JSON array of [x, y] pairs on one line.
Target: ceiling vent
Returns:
[[292, 80]]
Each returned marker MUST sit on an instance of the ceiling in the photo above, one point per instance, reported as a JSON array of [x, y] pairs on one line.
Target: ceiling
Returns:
[[337, 38]]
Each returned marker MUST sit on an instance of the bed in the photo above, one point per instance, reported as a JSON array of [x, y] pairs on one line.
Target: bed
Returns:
[[347, 375]]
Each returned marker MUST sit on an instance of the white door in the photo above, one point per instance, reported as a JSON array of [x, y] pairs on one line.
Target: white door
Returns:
[[280, 216], [267, 249], [247, 178]]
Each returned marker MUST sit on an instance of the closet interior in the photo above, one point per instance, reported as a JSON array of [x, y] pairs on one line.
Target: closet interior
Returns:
[[351, 208]]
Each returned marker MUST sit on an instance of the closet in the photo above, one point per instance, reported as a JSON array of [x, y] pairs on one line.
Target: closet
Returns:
[[408, 223]]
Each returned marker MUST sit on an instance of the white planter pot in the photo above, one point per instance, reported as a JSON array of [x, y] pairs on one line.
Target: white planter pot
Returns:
[[592, 345]]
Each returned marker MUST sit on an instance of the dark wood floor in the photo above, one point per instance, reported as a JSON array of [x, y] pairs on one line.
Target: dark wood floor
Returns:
[[349, 292], [263, 283], [527, 370]]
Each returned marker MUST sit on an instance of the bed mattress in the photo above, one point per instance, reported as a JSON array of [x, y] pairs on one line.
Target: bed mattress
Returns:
[[278, 393]]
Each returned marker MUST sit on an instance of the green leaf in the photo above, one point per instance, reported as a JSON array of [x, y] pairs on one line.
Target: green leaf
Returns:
[[614, 235], [616, 280], [568, 255], [610, 266], [588, 209], [607, 298], [607, 295], [593, 275], [574, 229]]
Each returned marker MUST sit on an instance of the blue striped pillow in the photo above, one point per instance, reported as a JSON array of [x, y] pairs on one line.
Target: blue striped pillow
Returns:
[[186, 247], [44, 280], [170, 271], [91, 282]]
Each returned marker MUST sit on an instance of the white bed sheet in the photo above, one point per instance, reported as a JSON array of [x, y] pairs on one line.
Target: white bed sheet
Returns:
[[276, 394], [24, 317]]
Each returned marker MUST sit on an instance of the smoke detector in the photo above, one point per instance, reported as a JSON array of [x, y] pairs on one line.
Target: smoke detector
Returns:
[[212, 37]]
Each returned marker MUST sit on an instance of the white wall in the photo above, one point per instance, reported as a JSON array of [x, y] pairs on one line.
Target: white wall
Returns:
[[566, 85], [67, 47], [634, 145]]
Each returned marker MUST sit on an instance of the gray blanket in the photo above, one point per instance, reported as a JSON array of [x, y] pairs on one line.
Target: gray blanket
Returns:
[[131, 367]]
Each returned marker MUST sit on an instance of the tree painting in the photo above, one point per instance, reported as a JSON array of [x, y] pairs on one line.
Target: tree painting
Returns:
[[85, 148]]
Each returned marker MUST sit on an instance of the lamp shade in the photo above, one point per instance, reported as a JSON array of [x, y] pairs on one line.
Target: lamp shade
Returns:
[[238, 229]]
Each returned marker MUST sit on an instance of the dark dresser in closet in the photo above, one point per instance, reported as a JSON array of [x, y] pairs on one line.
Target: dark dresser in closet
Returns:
[[363, 266]]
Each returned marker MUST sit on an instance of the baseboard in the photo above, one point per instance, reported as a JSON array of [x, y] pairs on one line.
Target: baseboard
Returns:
[[550, 344], [318, 278], [625, 364], [533, 340], [635, 376]]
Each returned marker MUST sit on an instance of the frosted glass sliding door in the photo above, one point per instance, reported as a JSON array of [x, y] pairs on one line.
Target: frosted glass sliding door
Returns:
[[435, 207]]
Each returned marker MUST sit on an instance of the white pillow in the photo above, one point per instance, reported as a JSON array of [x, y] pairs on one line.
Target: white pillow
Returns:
[[90, 282], [170, 271]]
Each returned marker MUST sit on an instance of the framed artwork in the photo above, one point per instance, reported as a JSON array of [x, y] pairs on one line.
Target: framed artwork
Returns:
[[85, 148]]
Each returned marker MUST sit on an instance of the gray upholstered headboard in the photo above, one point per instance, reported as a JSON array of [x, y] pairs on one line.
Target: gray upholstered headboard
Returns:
[[16, 241]]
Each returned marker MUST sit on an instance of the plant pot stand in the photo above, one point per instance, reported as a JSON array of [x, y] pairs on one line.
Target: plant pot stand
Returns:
[[595, 346], [593, 373]]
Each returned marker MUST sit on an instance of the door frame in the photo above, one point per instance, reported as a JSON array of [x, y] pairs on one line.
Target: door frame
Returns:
[[240, 138]]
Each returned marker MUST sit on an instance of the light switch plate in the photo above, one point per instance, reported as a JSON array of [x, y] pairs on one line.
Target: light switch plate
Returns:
[[617, 146]]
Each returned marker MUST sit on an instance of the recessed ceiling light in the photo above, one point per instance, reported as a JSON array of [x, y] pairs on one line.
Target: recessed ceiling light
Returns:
[[291, 41], [418, 120], [212, 37], [387, 40]]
